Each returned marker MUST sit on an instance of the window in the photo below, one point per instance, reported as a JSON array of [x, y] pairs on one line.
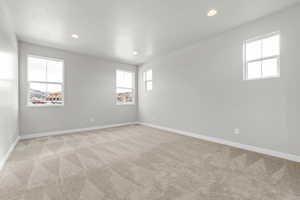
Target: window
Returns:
[[262, 57], [125, 87], [147, 76], [45, 81]]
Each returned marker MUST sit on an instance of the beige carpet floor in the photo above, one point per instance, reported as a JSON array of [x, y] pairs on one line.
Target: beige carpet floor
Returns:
[[142, 163]]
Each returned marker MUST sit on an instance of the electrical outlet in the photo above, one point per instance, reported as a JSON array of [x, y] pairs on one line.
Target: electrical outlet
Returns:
[[92, 120], [236, 131]]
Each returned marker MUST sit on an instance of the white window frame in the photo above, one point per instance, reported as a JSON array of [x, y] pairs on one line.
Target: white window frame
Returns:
[[133, 87], [246, 63], [146, 81], [29, 104]]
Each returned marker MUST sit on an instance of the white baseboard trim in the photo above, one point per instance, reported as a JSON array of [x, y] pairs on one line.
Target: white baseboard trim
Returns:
[[37, 135], [268, 152], [5, 158]]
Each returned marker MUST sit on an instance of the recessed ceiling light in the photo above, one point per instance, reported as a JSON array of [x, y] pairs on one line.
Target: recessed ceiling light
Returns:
[[135, 53], [75, 36], [212, 13]]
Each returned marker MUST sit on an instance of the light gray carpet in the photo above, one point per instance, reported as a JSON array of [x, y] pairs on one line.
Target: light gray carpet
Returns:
[[142, 163]]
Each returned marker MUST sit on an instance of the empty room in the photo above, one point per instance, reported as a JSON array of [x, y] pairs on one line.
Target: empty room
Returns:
[[149, 100]]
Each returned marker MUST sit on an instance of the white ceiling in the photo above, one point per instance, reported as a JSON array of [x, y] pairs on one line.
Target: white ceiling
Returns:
[[115, 28]]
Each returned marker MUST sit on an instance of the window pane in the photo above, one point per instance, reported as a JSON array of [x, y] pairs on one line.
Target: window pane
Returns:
[[124, 79], [270, 67], [254, 70], [122, 90], [37, 93], [55, 71], [253, 50], [54, 94], [36, 69], [54, 88], [42, 93], [124, 96], [149, 75], [119, 77], [144, 76], [271, 46], [128, 80], [149, 85]]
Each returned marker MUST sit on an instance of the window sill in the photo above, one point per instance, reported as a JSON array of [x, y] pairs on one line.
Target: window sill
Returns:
[[44, 106], [264, 78], [125, 104]]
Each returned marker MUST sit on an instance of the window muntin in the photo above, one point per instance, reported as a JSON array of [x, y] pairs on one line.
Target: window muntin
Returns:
[[147, 77], [45, 81], [262, 57], [125, 90]]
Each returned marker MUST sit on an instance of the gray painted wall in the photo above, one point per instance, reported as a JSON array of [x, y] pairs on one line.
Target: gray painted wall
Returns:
[[89, 93], [201, 89], [8, 83]]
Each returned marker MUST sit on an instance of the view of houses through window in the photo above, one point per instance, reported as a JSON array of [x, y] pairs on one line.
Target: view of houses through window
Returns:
[[45, 81], [125, 87]]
